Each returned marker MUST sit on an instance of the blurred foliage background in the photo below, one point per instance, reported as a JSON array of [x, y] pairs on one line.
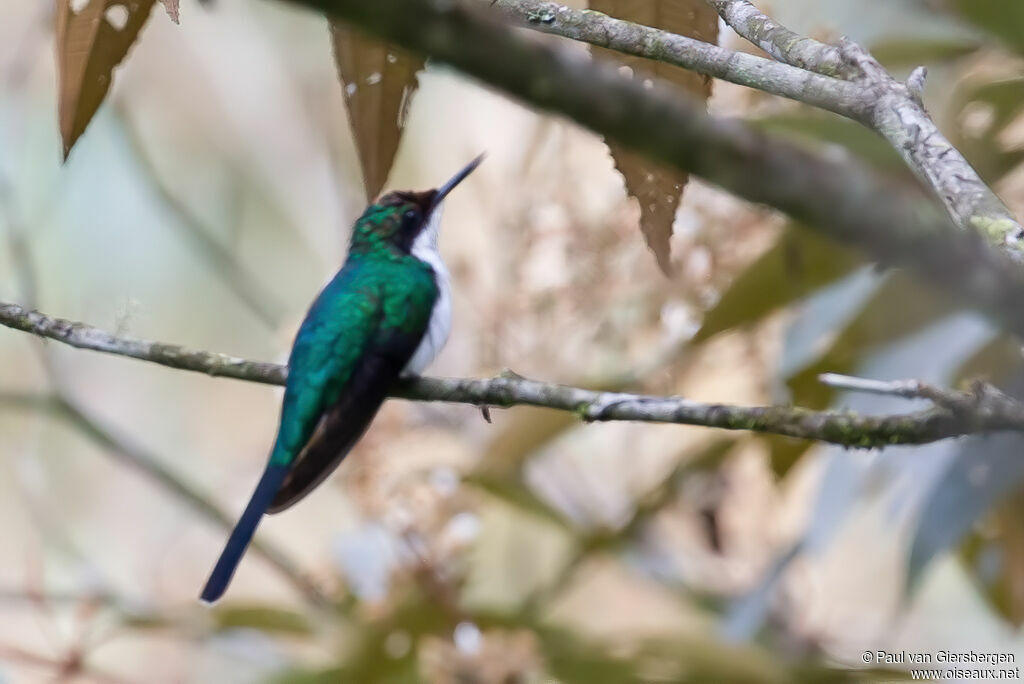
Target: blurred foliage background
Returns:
[[211, 197]]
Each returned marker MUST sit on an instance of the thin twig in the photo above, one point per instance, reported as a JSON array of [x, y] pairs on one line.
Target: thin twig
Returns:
[[17, 244], [982, 399], [780, 42], [906, 389], [149, 465], [224, 264]]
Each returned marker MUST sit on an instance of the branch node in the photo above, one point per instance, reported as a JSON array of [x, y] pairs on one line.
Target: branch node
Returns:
[[866, 66], [915, 84]]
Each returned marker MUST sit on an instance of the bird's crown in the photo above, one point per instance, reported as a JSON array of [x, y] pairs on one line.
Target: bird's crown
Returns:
[[395, 220]]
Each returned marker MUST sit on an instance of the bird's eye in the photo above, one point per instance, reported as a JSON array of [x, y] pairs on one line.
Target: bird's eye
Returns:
[[409, 218]]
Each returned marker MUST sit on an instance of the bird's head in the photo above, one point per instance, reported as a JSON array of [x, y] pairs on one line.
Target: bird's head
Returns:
[[405, 221]]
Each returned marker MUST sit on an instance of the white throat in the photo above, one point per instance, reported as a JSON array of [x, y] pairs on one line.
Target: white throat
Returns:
[[424, 248]]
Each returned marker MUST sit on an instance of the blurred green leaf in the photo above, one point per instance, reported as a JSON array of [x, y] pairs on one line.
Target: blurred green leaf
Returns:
[[824, 315], [575, 662], [996, 558], [390, 671], [264, 618], [984, 112], [367, 657], [144, 620], [529, 428], [900, 305], [999, 359], [706, 659], [785, 452], [984, 471], [526, 430], [801, 261], [1002, 18], [798, 263], [907, 52], [819, 324], [771, 283], [814, 128]]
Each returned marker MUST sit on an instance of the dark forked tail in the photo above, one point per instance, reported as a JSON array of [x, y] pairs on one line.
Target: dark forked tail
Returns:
[[242, 534]]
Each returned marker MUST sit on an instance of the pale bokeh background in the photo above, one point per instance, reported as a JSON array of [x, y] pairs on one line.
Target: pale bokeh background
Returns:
[[239, 118]]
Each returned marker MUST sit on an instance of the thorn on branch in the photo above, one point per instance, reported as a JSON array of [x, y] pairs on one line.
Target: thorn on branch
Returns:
[[915, 84]]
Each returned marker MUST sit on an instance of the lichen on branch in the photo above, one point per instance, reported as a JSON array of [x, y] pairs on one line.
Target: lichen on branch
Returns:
[[970, 413]]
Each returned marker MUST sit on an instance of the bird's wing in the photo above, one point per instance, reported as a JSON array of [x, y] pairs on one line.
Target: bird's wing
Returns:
[[374, 356]]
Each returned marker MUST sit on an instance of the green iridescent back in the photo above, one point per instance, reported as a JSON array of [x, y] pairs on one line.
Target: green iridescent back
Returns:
[[376, 309]]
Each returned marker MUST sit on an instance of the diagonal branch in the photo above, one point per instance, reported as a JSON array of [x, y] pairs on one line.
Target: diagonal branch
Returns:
[[894, 110], [780, 42], [841, 198], [149, 465], [223, 262], [844, 80], [837, 427]]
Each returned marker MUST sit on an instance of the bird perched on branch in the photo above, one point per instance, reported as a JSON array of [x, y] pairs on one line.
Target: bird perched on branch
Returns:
[[385, 315]]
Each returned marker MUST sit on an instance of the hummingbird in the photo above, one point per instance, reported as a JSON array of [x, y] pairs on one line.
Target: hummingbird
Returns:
[[385, 315]]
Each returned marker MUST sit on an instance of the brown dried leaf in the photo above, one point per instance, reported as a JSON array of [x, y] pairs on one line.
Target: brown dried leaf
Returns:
[[1009, 597], [656, 187], [90, 43], [171, 7], [378, 81]]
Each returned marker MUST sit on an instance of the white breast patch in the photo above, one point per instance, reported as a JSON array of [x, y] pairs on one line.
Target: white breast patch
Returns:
[[425, 249]]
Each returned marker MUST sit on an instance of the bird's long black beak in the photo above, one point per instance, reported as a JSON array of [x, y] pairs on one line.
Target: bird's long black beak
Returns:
[[455, 180]]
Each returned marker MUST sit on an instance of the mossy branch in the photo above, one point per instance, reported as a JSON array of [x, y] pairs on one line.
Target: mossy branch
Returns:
[[959, 413]]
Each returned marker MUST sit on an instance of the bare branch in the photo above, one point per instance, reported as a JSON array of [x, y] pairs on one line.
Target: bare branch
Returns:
[[598, 29], [87, 337], [844, 80], [905, 389], [778, 41], [894, 110], [836, 427], [982, 399]]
